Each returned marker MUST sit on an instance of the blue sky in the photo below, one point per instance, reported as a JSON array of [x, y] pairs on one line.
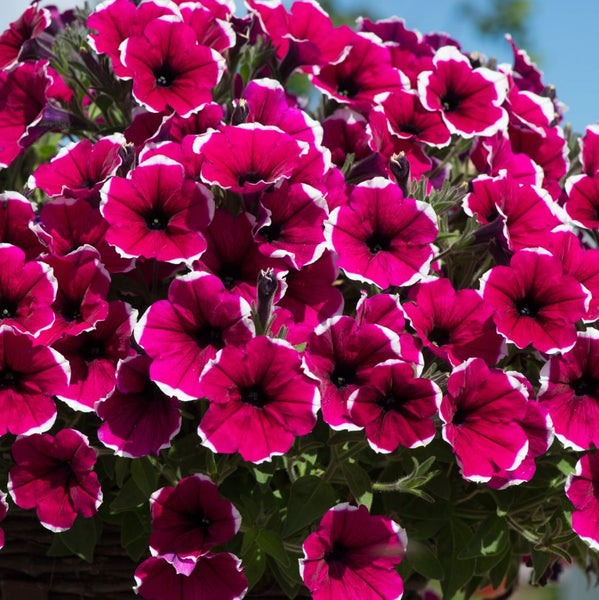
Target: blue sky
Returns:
[[564, 35]]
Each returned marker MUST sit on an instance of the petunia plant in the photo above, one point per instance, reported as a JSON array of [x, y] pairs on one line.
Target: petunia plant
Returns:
[[290, 309]]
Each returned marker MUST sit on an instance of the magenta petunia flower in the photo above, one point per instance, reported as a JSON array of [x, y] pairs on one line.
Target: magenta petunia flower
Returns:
[[3, 511], [582, 204], [570, 392], [53, 474], [261, 388], [234, 256], [157, 213], [29, 375], [117, 20], [210, 31], [138, 418], [267, 103], [191, 518], [582, 488], [589, 150], [16, 224], [363, 72], [27, 27], [347, 132], [212, 577], [482, 415], [66, 224], [183, 333], [526, 74], [83, 285], [27, 291], [175, 128], [382, 237], [79, 169], [93, 356], [535, 302], [290, 224], [469, 99], [454, 325], [248, 158], [169, 69], [341, 355], [353, 555], [395, 408], [526, 213], [409, 120]]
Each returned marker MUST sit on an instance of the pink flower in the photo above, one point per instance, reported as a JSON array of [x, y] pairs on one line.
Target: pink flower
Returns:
[[535, 302], [261, 388], [191, 518], [582, 488], [53, 475], [3, 511], [29, 377], [16, 224], [157, 213], [382, 237], [469, 99], [170, 70], [482, 415], [138, 418], [353, 555], [212, 577]]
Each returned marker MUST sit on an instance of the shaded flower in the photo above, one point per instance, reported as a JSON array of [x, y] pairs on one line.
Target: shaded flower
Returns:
[[16, 224], [353, 555], [53, 475], [138, 418]]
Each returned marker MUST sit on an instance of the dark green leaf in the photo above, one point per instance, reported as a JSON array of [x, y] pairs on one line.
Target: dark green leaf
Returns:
[[490, 539], [358, 482], [145, 475], [287, 578], [130, 497], [135, 533], [540, 562], [452, 540], [81, 538], [254, 565], [270, 541], [309, 499], [424, 560]]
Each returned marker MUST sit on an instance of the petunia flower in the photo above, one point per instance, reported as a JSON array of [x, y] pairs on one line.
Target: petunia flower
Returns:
[[29, 375], [213, 576], [353, 555], [190, 519], [381, 237], [535, 302], [17, 224], [138, 418], [260, 388], [582, 488], [53, 474]]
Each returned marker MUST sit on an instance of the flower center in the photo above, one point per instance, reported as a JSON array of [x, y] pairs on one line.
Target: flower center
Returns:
[[271, 232], [336, 554], [585, 386], [70, 310], [199, 520], [165, 76], [255, 396], [410, 128], [348, 87], [230, 274], [439, 336], [92, 349], [528, 307], [343, 375], [451, 101], [460, 416], [249, 177], [208, 335], [156, 220], [391, 402], [8, 309], [378, 242], [8, 379]]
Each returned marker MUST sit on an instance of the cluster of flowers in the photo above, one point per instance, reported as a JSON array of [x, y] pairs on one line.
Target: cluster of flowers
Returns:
[[203, 241]]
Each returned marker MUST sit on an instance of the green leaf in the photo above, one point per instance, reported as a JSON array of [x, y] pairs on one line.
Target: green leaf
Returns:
[[497, 573], [358, 482], [129, 497], [270, 541], [121, 470], [287, 578], [145, 475], [135, 534], [452, 540], [422, 558], [540, 562], [81, 538], [309, 499], [490, 539], [254, 565]]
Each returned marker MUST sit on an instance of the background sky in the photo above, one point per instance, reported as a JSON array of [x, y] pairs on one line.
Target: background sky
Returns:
[[565, 36]]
